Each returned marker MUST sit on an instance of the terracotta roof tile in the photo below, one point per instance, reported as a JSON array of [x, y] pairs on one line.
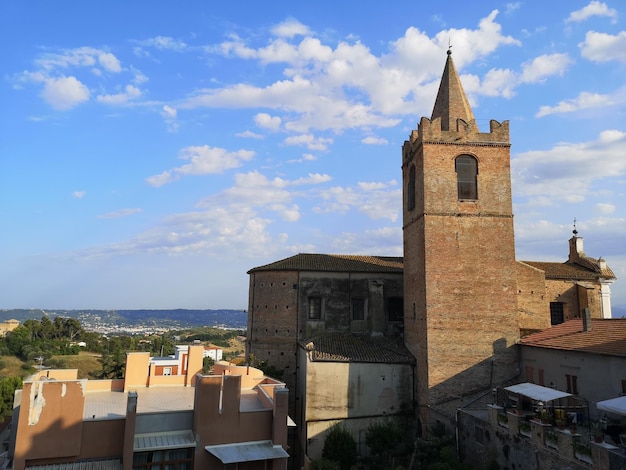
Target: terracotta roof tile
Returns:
[[335, 263], [607, 336], [569, 270], [349, 347]]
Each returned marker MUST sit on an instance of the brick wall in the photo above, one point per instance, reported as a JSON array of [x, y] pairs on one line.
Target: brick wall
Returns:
[[273, 322], [533, 306], [459, 265]]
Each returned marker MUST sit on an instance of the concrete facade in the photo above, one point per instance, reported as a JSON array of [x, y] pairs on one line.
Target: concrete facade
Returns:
[[143, 422], [356, 395]]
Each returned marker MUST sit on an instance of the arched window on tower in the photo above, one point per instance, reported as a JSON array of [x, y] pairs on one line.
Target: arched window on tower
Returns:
[[410, 189], [466, 168]]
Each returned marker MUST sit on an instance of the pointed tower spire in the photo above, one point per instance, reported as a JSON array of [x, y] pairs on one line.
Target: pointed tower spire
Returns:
[[451, 103]]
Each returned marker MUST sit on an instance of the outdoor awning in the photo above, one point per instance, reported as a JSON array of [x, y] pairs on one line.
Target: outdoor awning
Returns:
[[247, 451], [537, 392], [163, 440], [614, 405]]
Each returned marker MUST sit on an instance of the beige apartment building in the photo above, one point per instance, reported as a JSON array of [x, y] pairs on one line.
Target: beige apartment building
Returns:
[[163, 413]]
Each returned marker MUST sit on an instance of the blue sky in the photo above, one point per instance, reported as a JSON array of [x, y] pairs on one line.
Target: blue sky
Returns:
[[152, 153]]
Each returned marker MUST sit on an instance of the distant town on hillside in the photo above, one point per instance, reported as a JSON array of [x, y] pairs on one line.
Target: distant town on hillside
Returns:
[[137, 321]]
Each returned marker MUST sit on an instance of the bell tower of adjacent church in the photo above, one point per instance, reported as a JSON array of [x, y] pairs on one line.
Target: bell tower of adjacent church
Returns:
[[460, 314]]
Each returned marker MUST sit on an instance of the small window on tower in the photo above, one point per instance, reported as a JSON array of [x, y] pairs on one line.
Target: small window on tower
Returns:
[[410, 189], [466, 168]]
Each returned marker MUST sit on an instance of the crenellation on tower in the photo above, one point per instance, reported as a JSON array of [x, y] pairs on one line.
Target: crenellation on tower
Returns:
[[431, 131]]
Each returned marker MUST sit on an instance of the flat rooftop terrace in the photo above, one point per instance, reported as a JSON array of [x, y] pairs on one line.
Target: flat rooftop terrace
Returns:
[[105, 405]]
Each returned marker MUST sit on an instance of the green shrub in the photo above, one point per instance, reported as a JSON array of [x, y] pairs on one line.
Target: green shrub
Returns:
[[324, 464], [340, 447], [382, 439]]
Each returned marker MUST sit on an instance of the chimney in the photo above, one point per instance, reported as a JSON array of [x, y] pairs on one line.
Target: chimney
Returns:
[[586, 319]]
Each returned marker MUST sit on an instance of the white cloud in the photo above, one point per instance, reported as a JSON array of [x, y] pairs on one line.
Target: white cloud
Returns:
[[371, 140], [138, 77], [385, 241], [605, 208], [266, 121], [512, 7], [130, 93], [594, 8], [348, 87], [204, 160], [311, 142], [169, 115], [567, 171], [169, 111], [64, 93], [249, 135], [164, 43], [498, 82], [109, 62], [585, 100], [544, 66], [120, 213], [79, 57], [602, 47], [79, 194], [290, 28], [375, 200]]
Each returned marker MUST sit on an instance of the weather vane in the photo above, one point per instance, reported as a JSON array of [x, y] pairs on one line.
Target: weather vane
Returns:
[[575, 231], [449, 47]]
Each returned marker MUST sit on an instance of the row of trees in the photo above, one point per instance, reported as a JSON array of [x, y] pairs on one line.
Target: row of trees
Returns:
[[45, 338]]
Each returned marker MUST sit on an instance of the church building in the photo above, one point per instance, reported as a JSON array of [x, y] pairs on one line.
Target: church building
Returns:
[[458, 302]]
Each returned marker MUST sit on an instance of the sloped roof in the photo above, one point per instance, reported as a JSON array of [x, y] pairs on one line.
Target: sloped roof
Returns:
[[451, 103], [394, 264], [567, 270], [607, 336], [350, 347], [335, 263]]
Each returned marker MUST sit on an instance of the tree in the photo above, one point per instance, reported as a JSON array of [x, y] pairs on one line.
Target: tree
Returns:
[[383, 439], [8, 385], [207, 364], [340, 447], [17, 339], [113, 365]]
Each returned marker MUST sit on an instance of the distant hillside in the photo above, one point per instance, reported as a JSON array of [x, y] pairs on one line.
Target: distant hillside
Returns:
[[107, 319]]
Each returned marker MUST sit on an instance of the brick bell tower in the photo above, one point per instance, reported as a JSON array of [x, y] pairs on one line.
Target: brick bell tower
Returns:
[[460, 314]]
